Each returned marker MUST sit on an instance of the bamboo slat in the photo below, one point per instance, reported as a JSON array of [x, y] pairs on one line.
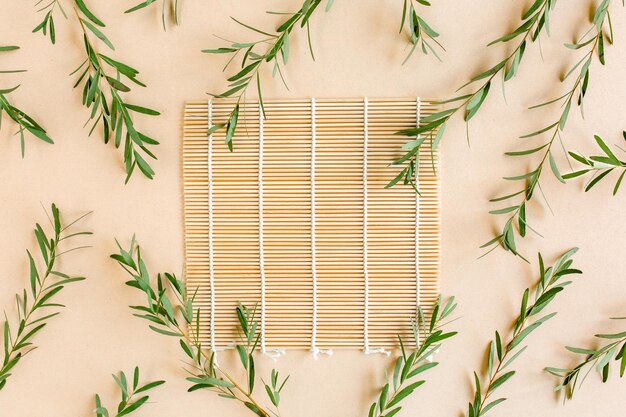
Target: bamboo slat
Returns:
[[392, 219]]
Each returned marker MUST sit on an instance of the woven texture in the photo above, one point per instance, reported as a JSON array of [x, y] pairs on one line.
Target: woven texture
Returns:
[[300, 224]]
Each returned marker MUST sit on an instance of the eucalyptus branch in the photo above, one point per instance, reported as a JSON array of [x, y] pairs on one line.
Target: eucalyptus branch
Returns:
[[420, 33], [599, 165], [166, 5], [25, 122], [275, 48], [104, 80], [594, 40], [35, 303], [598, 359], [169, 309], [128, 392], [534, 21], [409, 366], [501, 355]]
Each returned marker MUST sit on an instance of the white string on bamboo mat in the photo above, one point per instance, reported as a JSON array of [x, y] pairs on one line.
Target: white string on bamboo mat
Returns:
[[366, 342], [210, 213], [417, 213], [272, 353], [314, 349], [261, 237]]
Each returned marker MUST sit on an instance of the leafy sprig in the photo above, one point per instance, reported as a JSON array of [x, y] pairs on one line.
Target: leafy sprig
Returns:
[[249, 338], [502, 354], [169, 311], [129, 390], [596, 359], [275, 49], [166, 5], [420, 33], [432, 127], [599, 165], [104, 81], [25, 122], [516, 223], [36, 304], [47, 26], [409, 366]]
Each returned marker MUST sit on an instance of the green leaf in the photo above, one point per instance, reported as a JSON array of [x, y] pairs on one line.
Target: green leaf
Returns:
[[524, 333], [9, 90], [40, 134], [521, 216], [555, 169], [98, 33], [504, 210], [540, 131], [140, 6], [243, 355], [219, 51], [580, 350], [83, 8], [575, 174], [526, 152], [612, 336], [255, 409], [492, 404], [164, 332], [214, 382], [404, 392], [438, 137], [597, 179], [422, 368], [142, 110], [245, 71], [474, 104], [34, 274], [133, 406], [117, 84], [532, 9], [619, 182], [512, 358], [501, 380], [231, 127], [605, 148], [149, 386]]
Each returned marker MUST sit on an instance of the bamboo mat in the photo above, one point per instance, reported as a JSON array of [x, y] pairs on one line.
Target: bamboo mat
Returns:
[[330, 257]]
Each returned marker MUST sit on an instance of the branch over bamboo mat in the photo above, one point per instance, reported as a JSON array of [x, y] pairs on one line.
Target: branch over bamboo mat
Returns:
[[420, 33], [599, 166], [276, 49], [169, 311], [598, 359], [503, 353], [104, 82], [130, 400], [36, 304], [593, 41], [409, 366], [534, 21], [24, 122]]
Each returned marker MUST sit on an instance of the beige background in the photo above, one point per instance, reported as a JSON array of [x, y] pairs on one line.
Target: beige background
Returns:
[[358, 53]]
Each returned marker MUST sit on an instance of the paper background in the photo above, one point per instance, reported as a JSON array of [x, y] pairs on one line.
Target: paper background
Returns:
[[358, 53]]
